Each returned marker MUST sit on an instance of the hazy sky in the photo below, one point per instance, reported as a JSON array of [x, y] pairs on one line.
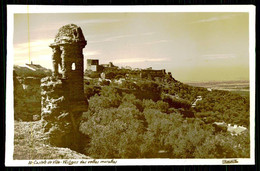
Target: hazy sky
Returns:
[[193, 46]]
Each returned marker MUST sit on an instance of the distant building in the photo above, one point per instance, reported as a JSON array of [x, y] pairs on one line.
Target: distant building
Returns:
[[109, 65], [35, 67], [234, 130], [93, 64], [146, 73]]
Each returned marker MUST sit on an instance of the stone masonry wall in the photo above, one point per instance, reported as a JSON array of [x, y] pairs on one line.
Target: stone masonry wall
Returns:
[[59, 116]]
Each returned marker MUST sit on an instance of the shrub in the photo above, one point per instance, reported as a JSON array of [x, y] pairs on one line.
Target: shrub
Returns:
[[92, 74], [114, 133], [159, 105], [148, 85], [137, 121], [183, 140], [105, 83], [224, 145], [91, 90], [131, 99], [129, 85], [176, 102], [119, 76]]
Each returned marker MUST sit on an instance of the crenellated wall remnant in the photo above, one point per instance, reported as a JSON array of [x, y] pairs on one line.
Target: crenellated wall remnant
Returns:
[[146, 73], [63, 98]]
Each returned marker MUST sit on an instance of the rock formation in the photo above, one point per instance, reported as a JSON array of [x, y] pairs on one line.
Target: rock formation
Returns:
[[63, 98]]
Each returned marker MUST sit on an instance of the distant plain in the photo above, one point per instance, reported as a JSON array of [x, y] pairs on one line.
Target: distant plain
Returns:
[[239, 87]]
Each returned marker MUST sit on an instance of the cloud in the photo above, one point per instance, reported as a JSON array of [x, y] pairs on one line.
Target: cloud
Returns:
[[156, 42], [147, 33], [33, 45], [43, 60], [120, 37], [212, 19], [116, 38], [138, 60], [54, 27], [40, 53], [36, 49], [208, 20], [97, 21], [218, 56], [89, 53]]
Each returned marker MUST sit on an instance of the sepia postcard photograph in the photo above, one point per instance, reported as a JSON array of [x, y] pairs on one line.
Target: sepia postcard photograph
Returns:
[[130, 85]]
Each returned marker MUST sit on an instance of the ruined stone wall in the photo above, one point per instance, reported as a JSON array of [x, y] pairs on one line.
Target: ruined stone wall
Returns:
[[152, 73], [27, 98], [92, 62], [54, 114], [60, 116], [63, 98]]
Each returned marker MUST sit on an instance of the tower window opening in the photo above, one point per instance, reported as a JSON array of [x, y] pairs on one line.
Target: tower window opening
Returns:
[[73, 66]]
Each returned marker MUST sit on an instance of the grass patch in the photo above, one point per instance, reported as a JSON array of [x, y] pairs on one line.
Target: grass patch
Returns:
[[30, 142]]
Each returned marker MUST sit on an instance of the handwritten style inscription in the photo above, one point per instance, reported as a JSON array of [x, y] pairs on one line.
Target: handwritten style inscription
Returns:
[[70, 162]]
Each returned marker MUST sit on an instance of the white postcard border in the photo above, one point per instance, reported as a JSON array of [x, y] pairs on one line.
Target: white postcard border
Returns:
[[13, 9]]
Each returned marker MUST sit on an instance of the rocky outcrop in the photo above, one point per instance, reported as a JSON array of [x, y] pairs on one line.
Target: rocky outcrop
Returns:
[[56, 119], [60, 116]]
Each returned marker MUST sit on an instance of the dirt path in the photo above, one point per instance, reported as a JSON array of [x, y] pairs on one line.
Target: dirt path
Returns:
[[30, 142]]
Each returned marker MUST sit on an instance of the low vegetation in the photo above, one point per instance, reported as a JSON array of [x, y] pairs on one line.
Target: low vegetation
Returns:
[[123, 122]]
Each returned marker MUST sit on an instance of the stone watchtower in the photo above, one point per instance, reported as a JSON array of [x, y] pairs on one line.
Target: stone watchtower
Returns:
[[63, 93], [67, 53]]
